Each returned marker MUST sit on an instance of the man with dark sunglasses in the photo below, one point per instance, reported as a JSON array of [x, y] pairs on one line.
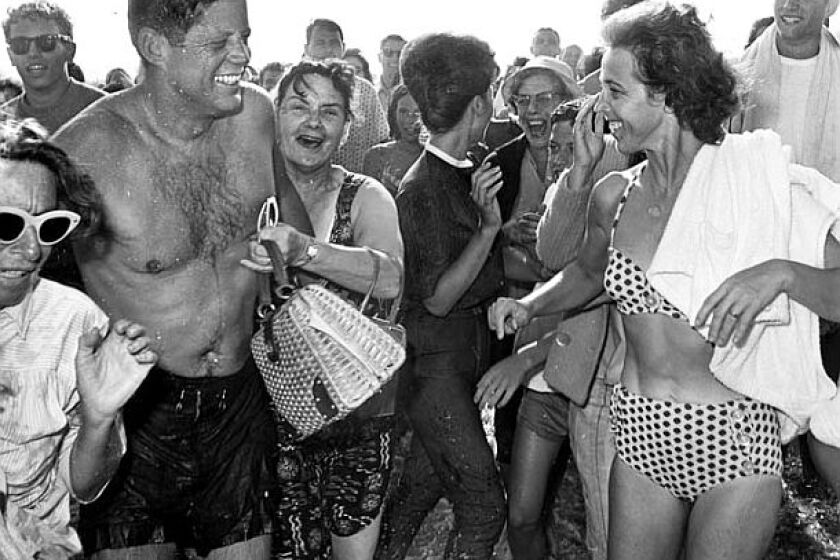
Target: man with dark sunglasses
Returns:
[[182, 163], [64, 373], [39, 40]]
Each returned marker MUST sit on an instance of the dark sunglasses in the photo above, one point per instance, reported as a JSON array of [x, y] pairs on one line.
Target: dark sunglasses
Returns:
[[51, 227], [45, 43]]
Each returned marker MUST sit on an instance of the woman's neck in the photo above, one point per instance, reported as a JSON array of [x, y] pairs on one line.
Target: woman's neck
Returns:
[[667, 167], [311, 180], [540, 155]]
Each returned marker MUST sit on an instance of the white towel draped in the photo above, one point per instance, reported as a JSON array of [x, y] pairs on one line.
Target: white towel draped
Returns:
[[742, 203]]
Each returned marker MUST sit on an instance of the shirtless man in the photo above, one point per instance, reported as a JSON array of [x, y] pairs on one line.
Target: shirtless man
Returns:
[[183, 163]]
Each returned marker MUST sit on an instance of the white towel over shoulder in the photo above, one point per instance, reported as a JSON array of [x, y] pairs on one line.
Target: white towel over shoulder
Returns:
[[742, 203]]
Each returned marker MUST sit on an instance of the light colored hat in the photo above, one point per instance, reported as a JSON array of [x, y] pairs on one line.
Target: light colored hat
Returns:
[[548, 64], [831, 7]]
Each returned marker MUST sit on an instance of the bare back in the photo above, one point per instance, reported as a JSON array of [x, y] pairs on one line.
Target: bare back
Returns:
[[177, 217]]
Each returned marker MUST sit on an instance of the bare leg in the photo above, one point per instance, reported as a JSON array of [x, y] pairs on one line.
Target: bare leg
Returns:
[[736, 520], [827, 460], [531, 461], [360, 546], [646, 520]]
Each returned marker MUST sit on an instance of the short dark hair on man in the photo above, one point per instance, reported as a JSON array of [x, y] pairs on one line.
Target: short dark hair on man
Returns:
[[39, 10], [172, 18], [326, 24], [549, 30], [337, 71], [26, 141], [674, 56], [443, 73], [391, 37]]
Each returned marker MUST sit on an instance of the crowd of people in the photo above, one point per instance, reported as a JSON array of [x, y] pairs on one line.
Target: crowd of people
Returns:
[[629, 256]]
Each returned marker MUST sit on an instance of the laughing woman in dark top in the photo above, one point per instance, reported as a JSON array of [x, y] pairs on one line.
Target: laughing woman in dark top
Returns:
[[449, 219]]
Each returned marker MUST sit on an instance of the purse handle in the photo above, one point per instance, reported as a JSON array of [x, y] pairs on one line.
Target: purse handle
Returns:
[[395, 304], [285, 289]]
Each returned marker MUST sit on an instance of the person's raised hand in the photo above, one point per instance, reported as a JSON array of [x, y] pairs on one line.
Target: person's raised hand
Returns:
[[291, 242], [507, 315], [589, 143], [110, 368], [732, 308], [497, 386], [486, 183]]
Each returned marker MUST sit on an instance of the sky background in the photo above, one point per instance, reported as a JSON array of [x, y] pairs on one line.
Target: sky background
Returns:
[[278, 27]]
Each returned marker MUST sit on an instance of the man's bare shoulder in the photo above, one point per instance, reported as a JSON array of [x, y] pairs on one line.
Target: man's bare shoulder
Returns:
[[103, 131], [257, 110]]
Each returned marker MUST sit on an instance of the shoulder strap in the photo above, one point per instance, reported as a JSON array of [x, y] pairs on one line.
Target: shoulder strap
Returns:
[[633, 180], [343, 204]]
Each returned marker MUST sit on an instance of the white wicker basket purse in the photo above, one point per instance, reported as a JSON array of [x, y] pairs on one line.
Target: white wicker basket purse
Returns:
[[319, 356]]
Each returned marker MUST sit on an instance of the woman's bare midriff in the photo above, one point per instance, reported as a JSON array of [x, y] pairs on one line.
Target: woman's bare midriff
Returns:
[[668, 360]]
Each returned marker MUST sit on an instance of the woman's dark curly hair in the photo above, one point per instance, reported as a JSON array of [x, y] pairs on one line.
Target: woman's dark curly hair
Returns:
[[26, 141], [443, 72], [337, 71], [675, 57]]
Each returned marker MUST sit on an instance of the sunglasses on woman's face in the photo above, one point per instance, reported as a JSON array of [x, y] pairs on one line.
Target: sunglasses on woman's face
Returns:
[[51, 227], [45, 43]]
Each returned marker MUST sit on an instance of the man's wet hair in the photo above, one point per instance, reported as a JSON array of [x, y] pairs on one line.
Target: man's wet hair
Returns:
[[172, 18]]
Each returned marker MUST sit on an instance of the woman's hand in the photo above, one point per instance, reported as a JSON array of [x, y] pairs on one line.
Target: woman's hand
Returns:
[[291, 242], [507, 315], [486, 182], [589, 144], [522, 229], [498, 385], [109, 369], [734, 306]]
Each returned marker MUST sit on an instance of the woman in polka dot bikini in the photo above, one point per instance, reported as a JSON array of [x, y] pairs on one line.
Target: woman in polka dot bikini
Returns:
[[698, 466]]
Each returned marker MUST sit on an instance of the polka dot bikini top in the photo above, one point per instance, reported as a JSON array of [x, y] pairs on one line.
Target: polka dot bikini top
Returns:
[[626, 283]]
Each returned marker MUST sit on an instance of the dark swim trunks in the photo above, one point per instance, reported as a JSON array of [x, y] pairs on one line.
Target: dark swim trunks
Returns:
[[200, 467]]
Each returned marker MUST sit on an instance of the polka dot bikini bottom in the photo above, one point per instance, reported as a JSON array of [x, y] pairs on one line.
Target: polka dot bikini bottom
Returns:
[[690, 448]]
